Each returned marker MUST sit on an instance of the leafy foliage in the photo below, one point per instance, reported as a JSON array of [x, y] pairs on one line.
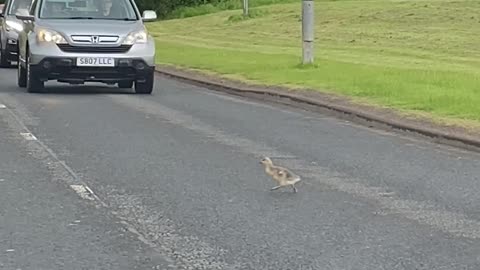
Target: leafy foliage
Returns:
[[168, 9]]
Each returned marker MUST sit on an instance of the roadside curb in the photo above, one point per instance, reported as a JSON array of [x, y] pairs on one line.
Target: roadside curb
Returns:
[[442, 136]]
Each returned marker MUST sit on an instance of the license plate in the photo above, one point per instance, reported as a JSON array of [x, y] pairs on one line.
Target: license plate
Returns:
[[95, 62]]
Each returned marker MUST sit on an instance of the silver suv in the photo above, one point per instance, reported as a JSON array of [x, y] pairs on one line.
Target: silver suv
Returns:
[[78, 41], [9, 28]]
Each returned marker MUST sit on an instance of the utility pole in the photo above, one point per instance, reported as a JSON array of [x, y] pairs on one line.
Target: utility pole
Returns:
[[245, 8], [307, 31]]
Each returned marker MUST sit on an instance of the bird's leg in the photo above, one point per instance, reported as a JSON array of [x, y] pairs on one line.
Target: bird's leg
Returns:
[[294, 188], [276, 187]]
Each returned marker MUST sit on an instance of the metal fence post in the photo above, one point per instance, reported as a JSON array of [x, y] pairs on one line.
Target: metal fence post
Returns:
[[307, 31], [245, 8]]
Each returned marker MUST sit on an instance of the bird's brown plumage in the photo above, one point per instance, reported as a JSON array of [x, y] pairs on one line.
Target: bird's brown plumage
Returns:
[[283, 176]]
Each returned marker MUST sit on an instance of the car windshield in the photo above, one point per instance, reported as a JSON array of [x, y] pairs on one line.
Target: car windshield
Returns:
[[19, 4], [88, 9]]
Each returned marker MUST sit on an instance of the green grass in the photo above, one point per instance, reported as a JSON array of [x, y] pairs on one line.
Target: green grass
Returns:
[[415, 56]]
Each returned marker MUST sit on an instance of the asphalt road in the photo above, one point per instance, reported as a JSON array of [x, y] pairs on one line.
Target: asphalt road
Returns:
[[177, 185]]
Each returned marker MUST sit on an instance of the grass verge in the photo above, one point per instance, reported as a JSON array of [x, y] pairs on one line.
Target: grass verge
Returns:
[[415, 56]]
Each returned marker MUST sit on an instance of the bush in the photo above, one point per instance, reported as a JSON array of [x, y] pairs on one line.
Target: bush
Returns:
[[168, 9], [165, 7]]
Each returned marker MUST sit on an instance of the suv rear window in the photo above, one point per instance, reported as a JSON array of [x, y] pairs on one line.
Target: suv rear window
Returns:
[[88, 9]]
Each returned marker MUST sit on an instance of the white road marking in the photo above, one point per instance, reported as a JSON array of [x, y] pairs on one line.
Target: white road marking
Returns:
[[29, 136], [10, 250], [2, 106], [82, 191], [62, 172], [89, 189], [75, 223]]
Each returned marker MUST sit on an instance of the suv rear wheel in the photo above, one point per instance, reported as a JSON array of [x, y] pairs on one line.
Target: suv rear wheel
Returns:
[[145, 87]]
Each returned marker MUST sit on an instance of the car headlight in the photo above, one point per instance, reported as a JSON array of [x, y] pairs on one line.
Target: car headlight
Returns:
[[136, 37], [50, 36], [14, 25]]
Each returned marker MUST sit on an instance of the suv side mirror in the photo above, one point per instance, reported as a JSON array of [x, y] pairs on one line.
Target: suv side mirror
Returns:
[[24, 15], [149, 16]]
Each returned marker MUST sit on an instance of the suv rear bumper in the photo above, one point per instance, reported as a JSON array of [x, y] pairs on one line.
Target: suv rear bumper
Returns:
[[64, 69]]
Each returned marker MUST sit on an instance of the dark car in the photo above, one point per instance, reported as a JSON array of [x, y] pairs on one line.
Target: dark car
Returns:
[[9, 28]]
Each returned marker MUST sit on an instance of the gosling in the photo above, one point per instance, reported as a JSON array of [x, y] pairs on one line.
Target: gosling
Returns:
[[282, 176]]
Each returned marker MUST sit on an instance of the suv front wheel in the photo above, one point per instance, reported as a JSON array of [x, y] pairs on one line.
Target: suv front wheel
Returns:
[[145, 87], [33, 83], [3, 58]]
